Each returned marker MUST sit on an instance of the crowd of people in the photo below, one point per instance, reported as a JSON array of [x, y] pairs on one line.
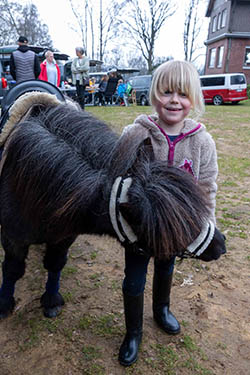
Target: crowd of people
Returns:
[[25, 65], [175, 136]]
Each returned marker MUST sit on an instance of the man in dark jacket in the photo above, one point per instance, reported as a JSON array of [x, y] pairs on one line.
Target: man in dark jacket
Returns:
[[24, 63]]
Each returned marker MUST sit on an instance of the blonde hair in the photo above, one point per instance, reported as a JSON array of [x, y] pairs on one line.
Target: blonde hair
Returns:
[[181, 77], [49, 52]]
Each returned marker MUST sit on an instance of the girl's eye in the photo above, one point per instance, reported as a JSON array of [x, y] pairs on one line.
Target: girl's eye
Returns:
[[167, 92], [183, 94]]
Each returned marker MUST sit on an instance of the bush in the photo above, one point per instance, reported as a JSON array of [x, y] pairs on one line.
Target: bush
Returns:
[[248, 91]]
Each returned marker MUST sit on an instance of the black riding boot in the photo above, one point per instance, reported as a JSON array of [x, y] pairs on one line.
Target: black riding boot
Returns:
[[161, 302], [133, 309]]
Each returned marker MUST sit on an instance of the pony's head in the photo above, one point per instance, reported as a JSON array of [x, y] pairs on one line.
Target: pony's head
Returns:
[[162, 210]]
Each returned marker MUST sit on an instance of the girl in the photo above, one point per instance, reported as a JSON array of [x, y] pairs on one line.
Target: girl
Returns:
[[181, 141]]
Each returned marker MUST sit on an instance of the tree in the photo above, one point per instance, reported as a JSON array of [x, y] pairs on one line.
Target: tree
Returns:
[[97, 24], [109, 23], [16, 20], [192, 28], [143, 24], [80, 12]]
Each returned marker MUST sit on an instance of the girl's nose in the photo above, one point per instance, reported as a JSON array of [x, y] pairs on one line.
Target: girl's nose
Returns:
[[174, 97]]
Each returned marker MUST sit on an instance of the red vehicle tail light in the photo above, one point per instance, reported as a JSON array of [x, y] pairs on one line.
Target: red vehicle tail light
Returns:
[[4, 83]]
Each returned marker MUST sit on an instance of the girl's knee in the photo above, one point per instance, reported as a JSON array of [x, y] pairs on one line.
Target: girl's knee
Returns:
[[133, 288]]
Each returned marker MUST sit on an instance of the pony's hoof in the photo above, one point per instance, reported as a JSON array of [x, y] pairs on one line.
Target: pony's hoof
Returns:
[[52, 312], [52, 304], [6, 307]]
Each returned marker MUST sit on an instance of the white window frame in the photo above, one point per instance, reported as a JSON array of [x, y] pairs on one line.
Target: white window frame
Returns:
[[246, 59], [220, 56], [219, 21], [223, 18], [214, 27], [212, 56]]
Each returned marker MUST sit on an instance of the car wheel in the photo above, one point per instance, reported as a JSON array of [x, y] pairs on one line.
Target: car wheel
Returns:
[[144, 100], [217, 100]]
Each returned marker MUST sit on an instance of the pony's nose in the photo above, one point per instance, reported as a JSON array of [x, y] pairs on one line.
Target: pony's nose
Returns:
[[223, 250]]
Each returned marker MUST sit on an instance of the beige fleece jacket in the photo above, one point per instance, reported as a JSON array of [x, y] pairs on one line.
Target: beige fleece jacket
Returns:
[[194, 150]]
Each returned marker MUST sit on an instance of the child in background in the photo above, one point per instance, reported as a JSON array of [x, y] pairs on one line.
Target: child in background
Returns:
[[183, 142], [121, 91]]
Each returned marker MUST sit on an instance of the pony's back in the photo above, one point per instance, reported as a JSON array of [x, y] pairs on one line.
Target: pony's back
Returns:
[[55, 160]]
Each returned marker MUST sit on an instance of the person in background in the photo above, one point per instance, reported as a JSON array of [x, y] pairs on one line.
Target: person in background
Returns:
[[24, 63], [101, 89], [80, 71], [50, 71], [91, 89], [121, 91], [180, 140]]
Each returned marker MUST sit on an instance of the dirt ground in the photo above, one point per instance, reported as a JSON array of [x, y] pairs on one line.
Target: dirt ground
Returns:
[[211, 301]]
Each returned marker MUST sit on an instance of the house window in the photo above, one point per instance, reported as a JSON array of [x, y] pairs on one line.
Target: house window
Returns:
[[247, 57], [214, 24], [223, 18], [219, 21], [212, 58], [220, 56]]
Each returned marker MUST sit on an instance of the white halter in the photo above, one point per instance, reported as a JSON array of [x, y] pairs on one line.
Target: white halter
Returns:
[[200, 244], [119, 194]]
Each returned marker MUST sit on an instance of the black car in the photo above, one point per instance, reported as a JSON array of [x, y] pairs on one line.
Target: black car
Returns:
[[141, 85]]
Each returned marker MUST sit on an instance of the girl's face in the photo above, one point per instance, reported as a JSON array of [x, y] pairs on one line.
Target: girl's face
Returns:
[[173, 107]]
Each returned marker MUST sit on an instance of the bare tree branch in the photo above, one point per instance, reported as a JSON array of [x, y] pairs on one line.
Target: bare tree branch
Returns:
[[143, 25]]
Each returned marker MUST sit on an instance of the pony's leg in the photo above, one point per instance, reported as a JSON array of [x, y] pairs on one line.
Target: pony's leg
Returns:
[[13, 268], [54, 261]]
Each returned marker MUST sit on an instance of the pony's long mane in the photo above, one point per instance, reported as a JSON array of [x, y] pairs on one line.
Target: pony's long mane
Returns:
[[49, 156], [52, 153], [172, 207]]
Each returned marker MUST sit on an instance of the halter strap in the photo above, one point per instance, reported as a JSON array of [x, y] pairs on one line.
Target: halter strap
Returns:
[[200, 244], [119, 194]]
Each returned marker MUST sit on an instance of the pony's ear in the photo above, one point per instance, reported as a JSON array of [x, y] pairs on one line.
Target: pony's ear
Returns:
[[146, 149], [144, 152]]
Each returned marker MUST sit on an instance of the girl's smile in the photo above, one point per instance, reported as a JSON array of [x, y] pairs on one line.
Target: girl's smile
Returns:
[[172, 109]]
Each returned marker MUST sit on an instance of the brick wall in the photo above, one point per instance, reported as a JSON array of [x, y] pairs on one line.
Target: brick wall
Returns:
[[237, 56], [233, 59]]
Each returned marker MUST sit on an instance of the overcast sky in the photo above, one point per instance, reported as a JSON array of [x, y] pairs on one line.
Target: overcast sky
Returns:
[[58, 16]]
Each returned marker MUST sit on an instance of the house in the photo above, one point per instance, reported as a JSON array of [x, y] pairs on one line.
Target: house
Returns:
[[228, 41]]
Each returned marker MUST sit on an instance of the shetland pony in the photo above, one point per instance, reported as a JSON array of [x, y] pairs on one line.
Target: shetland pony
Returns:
[[67, 173]]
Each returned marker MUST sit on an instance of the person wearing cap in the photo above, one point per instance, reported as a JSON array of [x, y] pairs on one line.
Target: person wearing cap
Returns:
[[50, 71], [24, 63]]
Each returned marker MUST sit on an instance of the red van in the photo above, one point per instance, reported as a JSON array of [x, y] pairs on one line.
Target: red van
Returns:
[[222, 88]]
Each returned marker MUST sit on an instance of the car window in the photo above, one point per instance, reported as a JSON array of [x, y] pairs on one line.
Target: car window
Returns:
[[140, 81], [213, 81], [236, 80]]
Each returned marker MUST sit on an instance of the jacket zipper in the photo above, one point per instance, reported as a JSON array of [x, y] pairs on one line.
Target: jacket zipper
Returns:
[[171, 145]]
